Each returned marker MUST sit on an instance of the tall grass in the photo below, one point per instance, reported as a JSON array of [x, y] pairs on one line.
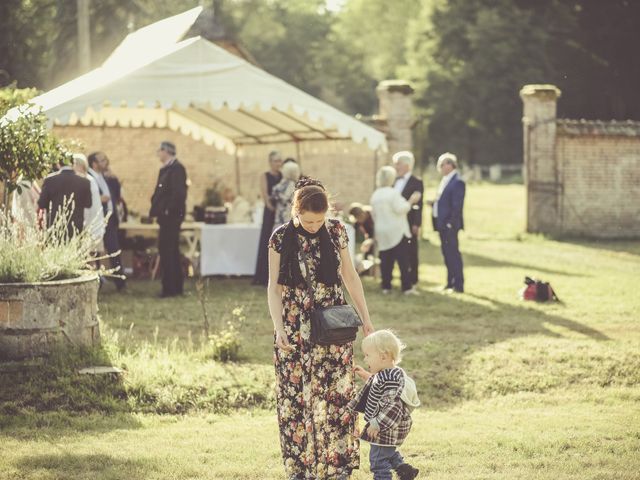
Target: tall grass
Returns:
[[30, 252]]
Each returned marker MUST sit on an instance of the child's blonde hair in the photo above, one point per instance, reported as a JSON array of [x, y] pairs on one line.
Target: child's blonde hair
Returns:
[[385, 341]]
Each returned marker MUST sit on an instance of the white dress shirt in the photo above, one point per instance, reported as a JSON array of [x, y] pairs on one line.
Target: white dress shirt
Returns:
[[389, 211], [401, 182], [103, 187], [443, 184], [94, 215]]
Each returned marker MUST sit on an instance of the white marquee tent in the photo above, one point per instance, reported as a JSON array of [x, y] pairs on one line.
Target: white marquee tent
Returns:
[[153, 79]]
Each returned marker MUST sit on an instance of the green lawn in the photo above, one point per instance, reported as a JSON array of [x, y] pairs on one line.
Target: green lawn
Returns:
[[510, 389]]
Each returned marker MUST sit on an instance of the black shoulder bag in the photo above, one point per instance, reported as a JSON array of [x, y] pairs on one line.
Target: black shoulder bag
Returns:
[[334, 325]]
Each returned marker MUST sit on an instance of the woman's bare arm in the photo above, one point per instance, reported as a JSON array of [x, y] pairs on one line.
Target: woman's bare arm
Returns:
[[353, 284], [274, 295], [264, 191]]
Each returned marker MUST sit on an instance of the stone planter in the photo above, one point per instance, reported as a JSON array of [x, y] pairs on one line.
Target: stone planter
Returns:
[[34, 317]]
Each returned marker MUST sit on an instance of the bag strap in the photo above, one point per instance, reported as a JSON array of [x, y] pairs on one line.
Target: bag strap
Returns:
[[307, 272]]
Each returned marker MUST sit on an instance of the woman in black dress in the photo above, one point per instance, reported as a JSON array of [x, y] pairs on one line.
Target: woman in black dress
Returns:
[[267, 182]]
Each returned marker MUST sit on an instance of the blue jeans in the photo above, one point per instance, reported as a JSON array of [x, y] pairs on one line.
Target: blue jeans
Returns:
[[382, 460]]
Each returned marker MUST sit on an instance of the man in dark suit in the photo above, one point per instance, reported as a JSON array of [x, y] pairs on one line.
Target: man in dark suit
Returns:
[[63, 188], [168, 205], [407, 184], [447, 217]]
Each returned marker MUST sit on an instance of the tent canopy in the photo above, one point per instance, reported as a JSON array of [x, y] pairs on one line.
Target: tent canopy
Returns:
[[193, 86]]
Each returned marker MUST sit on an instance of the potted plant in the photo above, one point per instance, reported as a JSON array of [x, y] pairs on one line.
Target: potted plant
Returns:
[[48, 294]]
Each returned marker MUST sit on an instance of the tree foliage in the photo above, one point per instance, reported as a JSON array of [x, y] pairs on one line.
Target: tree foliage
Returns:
[[468, 59], [28, 148]]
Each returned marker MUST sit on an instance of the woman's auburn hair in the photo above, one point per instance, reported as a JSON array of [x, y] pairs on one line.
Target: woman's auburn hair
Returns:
[[309, 196]]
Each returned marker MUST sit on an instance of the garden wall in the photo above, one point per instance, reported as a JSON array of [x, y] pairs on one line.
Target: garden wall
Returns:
[[582, 177]]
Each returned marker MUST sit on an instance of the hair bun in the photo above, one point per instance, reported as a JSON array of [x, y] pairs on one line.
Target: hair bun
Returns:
[[307, 182]]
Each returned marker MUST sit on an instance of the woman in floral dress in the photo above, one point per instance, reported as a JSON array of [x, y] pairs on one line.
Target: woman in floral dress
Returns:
[[313, 383]]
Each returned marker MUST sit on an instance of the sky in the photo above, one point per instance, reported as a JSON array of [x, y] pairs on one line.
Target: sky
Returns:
[[335, 5]]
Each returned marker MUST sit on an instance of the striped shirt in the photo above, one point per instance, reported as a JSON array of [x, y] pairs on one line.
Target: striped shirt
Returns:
[[383, 381]]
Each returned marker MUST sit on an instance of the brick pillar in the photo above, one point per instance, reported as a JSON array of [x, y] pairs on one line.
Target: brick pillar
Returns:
[[541, 173], [396, 110]]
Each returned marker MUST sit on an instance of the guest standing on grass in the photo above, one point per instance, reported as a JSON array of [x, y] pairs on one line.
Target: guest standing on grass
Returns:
[[314, 383], [268, 180], [168, 205], [447, 218], [93, 216], [99, 163], [407, 183], [282, 194], [392, 233], [64, 189]]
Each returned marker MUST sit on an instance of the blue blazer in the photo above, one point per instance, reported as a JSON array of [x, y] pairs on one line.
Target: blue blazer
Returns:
[[450, 205]]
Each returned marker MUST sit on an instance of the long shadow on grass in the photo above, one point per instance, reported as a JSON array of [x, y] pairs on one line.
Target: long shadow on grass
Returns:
[[81, 466], [443, 331], [45, 391], [481, 261], [626, 247]]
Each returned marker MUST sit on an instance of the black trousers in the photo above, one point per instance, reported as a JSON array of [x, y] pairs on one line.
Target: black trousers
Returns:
[[452, 258], [111, 245], [412, 249], [169, 249], [388, 259]]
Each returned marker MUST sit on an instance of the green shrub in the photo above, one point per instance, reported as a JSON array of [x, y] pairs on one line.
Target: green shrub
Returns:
[[30, 253], [225, 345]]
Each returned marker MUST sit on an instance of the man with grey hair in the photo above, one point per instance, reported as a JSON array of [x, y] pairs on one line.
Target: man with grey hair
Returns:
[[406, 183], [447, 218], [94, 215]]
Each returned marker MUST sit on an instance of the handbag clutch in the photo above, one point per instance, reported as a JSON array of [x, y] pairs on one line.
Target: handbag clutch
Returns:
[[334, 325]]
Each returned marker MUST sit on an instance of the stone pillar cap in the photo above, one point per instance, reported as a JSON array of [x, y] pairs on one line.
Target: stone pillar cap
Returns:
[[401, 86], [550, 92]]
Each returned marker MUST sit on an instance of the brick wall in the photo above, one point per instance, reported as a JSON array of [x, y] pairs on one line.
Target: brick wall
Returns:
[[582, 177], [601, 179], [347, 168]]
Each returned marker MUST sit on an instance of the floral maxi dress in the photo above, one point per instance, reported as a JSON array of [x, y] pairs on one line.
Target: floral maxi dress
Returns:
[[314, 383]]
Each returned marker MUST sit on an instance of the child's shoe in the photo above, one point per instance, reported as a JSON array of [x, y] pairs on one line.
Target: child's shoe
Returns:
[[407, 472]]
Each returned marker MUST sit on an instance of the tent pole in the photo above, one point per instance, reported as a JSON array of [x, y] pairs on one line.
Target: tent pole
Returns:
[[237, 170]]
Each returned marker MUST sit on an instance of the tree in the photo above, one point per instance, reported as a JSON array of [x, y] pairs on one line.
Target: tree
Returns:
[[28, 149], [469, 59]]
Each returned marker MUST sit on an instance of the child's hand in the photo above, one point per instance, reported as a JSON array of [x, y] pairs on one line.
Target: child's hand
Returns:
[[361, 372], [372, 432]]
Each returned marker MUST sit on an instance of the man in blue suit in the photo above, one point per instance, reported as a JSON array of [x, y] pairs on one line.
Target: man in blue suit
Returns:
[[447, 218]]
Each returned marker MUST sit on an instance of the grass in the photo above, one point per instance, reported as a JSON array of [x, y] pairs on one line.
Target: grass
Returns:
[[510, 389]]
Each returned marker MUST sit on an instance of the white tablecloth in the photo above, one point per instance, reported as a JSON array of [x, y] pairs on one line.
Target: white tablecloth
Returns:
[[232, 249], [229, 249]]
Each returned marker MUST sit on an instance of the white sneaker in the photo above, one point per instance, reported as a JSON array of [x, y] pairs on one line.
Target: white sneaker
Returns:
[[386, 291], [411, 291]]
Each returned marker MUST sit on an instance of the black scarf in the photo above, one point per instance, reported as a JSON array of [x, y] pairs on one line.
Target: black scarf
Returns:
[[290, 274]]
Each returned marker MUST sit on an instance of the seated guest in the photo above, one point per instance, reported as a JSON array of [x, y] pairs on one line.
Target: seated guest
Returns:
[[94, 215], [238, 208], [389, 211], [64, 189], [282, 194], [360, 216]]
